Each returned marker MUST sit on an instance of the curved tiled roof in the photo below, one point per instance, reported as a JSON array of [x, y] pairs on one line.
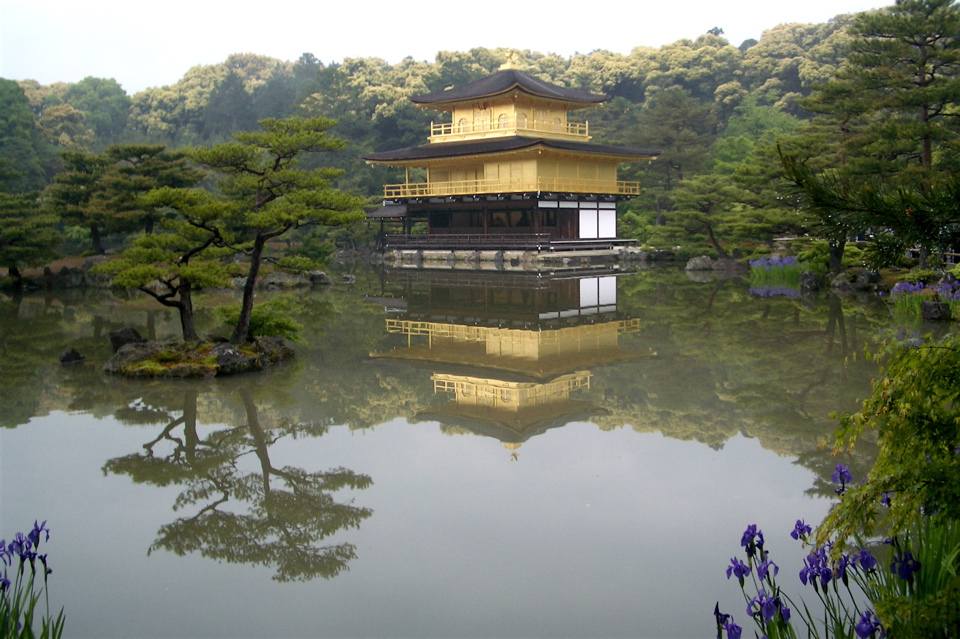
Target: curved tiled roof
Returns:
[[503, 82], [502, 145]]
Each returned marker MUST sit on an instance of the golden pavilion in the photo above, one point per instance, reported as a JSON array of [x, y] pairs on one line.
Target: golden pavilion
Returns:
[[510, 170]]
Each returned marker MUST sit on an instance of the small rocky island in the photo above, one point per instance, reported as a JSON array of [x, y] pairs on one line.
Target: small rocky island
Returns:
[[134, 356]]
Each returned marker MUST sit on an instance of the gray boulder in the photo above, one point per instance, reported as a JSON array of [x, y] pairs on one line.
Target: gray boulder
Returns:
[[319, 278], [231, 361], [809, 281], [731, 266], [702, 263], [71, 356], [935, 310], [123, 336], [867, 279], [272, 349]]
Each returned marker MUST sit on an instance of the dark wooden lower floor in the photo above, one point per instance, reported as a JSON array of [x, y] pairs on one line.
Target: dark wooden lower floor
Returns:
[[539, 242]]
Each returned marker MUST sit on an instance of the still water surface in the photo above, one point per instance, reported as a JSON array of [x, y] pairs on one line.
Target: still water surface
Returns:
[[448, 456]]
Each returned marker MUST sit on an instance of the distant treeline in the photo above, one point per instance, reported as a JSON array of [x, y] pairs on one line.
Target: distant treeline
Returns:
[[720, 113], [369, 96]]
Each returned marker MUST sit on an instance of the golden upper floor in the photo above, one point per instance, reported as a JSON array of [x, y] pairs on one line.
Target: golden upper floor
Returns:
[[510, 133]]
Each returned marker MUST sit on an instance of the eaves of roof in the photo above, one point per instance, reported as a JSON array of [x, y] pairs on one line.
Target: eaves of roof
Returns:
[[503, 82], [467, 148]]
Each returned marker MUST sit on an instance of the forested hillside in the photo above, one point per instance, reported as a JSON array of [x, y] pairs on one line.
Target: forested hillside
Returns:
[[717, 110]]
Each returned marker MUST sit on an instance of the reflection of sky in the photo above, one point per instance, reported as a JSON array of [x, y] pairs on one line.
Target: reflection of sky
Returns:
[[589, 534]]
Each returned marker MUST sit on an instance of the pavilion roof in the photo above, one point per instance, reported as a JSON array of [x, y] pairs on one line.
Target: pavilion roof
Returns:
[[503, 82], [464, 148]]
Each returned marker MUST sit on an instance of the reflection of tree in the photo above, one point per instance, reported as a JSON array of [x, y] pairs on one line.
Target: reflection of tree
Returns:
[[289, 510], [770, 368]]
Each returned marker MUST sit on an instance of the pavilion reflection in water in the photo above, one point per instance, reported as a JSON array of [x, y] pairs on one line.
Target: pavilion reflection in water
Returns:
[[513, 350]]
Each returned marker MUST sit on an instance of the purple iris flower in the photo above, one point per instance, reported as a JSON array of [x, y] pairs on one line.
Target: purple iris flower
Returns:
[[733, 630], [46, 569], [867, 560], [905, 566], [21, 547], [906, 288], [762, 605], [738, 568], [869, 625], [816, 567], [841, 476], [34, 535], [784, 611], [721, 617], [752, 540], [840, 567], [801, 530], [766, 566]]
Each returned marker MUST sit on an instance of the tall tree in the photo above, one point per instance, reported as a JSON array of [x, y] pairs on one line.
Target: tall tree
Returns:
[[185, 256], [28, 236], [105, 103], [683, 128], [100, 191], [137, 169], [904, 66], [76, 194], [230, 108], [260, 177], [708, 204], [21, 140], [896, 103]]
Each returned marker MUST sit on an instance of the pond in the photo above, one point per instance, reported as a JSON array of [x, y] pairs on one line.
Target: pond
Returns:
[[449, 455]]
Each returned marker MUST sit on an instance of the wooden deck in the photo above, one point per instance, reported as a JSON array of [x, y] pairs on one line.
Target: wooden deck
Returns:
[[539, 242]]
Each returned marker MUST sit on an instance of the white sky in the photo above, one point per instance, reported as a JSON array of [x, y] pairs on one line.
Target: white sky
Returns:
[[142, 44]]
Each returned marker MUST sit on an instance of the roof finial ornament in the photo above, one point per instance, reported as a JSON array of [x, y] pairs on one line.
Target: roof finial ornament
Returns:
[[511, 62]]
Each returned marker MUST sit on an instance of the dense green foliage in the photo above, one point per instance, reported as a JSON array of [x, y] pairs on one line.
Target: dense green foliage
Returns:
[[915, 411], [261, 196], [829, 95], [892, 111], [28, 237]]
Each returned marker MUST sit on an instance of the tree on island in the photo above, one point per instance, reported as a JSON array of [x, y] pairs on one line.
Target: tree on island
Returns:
[[268, 195], [184, 256], [262, 196]]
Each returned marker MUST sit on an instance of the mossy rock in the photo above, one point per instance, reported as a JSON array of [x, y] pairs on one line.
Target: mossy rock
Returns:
[[177, 359]]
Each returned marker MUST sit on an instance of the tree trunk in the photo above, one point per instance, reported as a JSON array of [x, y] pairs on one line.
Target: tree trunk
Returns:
[[185, 291], [246, 306], [191, 440], [259, 438], [835, 250], [714, 243], [96, 242]]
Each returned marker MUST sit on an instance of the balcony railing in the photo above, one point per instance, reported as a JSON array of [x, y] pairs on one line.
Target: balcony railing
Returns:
[[480, 187], [507, 126]]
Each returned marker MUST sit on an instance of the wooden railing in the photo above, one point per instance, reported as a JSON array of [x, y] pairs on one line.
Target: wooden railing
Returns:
[[479, 187], [508, 126], [452, 241]]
